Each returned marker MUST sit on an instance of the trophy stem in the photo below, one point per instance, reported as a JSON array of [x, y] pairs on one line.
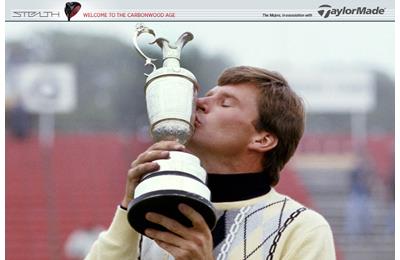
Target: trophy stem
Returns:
[[172, 63]]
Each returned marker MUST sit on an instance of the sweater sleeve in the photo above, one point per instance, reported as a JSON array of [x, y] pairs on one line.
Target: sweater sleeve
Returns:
[[120, 241], [314, 245]]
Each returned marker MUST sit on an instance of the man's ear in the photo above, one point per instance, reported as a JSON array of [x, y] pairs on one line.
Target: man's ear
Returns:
[[263, 142]]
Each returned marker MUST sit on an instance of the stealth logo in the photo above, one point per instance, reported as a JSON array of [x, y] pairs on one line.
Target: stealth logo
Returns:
[[326, 10]]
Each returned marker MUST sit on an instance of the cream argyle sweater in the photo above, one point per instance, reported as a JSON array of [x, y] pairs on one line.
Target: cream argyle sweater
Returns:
[[273, 227]]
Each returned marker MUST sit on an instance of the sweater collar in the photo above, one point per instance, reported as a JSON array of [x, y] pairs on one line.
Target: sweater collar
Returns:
[[228, 187]]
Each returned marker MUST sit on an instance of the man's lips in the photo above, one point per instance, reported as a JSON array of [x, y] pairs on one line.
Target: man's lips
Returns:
[[197, 122]]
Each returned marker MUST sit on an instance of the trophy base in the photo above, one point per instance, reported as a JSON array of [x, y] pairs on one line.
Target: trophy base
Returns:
[[165, 202]]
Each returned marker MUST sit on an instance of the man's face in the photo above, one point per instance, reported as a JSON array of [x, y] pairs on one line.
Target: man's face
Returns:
[[224, 119]]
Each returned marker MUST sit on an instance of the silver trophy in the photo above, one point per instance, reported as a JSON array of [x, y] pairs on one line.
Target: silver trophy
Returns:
[[170, 97]]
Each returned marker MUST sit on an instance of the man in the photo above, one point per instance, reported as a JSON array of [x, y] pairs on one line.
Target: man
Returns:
[[247, 128]]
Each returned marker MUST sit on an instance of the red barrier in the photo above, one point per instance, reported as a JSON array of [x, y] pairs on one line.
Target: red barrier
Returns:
[[79, 185]]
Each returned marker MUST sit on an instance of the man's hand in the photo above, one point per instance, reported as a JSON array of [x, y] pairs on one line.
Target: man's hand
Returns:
[[144, 164], [182, 242]]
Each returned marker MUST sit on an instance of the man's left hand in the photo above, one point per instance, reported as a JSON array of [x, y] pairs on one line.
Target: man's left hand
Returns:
[[183, 242]]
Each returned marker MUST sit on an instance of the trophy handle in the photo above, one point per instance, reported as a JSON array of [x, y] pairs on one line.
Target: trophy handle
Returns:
[[183, 39], [162, 43], [140, 29]]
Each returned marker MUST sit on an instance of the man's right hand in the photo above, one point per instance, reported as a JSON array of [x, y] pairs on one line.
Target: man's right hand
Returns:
[[144, 164]]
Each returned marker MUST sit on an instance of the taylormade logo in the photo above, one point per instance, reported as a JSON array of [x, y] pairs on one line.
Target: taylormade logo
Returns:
[[326, 10]]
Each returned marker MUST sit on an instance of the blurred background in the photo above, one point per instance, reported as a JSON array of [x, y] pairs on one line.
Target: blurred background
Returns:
[[76, 118]]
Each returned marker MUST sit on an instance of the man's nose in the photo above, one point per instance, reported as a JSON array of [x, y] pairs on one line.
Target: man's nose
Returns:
[[201, 104]]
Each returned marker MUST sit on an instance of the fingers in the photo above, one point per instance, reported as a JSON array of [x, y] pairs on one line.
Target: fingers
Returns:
[[133, 178], [150, 156], [164, 236], [170, 224], [174, 226], [180, 241], [198, 221], [167, 145], [138, 171], [158, 151], [144, 164], [173, 250]]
